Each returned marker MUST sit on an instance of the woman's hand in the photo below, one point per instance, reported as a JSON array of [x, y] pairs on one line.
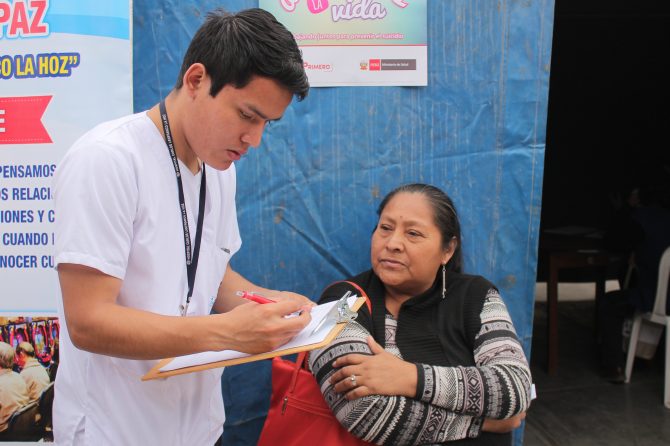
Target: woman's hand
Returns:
[[503, 426], [380, 374]]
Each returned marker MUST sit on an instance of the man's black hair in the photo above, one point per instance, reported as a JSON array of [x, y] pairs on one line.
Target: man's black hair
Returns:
[[236, 47]]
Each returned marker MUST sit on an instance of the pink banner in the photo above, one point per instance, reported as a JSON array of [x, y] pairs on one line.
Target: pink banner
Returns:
[[20, 120]]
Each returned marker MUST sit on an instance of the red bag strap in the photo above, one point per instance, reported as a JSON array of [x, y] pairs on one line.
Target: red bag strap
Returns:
[[298, 364], [359, 289], [362, 293]]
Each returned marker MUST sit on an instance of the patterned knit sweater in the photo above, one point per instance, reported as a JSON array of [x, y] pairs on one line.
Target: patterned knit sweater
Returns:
[[470, 364]]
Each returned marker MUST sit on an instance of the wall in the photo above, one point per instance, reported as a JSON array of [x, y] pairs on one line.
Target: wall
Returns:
[[607, 113], [307, 197]]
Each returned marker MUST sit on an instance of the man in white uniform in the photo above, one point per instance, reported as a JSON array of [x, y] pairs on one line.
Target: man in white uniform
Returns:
[[146, 227]]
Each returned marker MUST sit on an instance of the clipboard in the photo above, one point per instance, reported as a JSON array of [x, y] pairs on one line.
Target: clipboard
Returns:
[[329, 319]]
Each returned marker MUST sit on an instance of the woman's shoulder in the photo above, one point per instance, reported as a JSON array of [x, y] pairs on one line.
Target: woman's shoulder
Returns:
[[468, 284], [466, 297]]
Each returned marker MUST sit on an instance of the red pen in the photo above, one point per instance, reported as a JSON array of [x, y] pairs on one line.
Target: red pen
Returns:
[[250, 295]]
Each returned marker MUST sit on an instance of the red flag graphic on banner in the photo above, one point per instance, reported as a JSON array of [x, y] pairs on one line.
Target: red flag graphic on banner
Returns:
[[20, 120]]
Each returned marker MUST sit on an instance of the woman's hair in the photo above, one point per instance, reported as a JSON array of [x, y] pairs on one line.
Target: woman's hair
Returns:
[[444, 215], [235, 47], [6, 356]]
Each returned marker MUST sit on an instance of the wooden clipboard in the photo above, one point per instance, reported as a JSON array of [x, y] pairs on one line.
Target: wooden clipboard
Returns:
[[200, 361]]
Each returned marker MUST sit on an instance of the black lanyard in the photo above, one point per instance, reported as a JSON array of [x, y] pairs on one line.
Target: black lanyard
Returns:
[[191, 262]]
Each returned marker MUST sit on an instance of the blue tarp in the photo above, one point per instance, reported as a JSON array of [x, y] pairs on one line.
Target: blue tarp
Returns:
[[307, 196]]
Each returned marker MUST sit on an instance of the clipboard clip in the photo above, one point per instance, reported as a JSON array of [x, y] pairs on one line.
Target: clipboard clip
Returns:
[[340, 313]]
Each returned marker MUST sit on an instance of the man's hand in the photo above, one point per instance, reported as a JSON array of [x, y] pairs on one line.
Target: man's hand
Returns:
[[259, 328], [289, 295], [232, 283]]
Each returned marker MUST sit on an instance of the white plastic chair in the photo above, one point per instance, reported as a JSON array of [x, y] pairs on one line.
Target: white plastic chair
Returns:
[[657, 316]]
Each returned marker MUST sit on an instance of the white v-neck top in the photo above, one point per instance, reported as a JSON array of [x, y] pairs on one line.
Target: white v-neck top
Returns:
[[117, 210]]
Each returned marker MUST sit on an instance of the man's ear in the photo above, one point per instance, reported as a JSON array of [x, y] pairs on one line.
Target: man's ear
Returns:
[[194, 78]]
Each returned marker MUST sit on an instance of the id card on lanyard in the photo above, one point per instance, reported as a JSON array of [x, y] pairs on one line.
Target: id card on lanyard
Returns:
[[191, 256]]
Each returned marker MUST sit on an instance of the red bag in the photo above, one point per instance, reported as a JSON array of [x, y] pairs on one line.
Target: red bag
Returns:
[[298, 414]]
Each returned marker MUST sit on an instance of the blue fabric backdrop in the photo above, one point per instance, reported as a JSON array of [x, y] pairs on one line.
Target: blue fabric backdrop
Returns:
[[307, 197]]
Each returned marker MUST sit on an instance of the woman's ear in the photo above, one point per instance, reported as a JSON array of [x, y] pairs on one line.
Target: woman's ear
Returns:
[[449, 252]]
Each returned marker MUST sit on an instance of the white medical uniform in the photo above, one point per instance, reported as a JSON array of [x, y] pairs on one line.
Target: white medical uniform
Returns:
[[117, 210]]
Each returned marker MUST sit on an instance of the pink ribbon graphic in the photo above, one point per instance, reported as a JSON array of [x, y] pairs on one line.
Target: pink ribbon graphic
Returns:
[[20, 120]]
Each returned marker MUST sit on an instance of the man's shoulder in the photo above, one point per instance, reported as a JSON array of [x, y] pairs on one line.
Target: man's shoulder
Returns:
[[120, 142], [117, 131]]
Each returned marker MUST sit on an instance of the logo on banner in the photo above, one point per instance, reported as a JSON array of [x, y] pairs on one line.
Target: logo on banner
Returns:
[[21, 120], [390, 65]]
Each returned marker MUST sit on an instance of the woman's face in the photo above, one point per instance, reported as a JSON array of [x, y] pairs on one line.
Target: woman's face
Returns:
[[406, 247]]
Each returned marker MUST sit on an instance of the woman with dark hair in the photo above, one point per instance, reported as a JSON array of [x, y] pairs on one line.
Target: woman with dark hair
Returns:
[[438, 358]]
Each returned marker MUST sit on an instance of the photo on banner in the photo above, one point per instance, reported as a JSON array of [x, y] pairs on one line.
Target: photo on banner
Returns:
[[29, 359], [359, 42]]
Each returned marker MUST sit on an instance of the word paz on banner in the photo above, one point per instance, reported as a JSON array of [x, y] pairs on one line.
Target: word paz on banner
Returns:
[[23, 18]]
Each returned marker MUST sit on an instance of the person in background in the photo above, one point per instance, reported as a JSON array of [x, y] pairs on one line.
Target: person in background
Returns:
[[55, 359], [13, 390], [438, 359], [644, 233], [32, 372], [145, 232]]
